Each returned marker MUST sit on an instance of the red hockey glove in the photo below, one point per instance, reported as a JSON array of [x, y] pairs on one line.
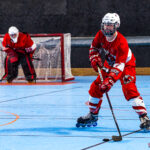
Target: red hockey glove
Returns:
[[7, 50], [11, 54], [96, 61], [106, 85]]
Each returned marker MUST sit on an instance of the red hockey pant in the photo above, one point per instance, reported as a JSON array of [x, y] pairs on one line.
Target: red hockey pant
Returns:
[[128, 82]]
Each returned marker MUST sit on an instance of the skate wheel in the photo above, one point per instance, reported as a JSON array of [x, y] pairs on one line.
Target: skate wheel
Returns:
[[88, 125], [94, 124], [83, 125], [77, 125]]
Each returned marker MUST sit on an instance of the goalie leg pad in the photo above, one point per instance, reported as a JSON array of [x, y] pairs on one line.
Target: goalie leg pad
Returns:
[[28, 67], [11, 70]]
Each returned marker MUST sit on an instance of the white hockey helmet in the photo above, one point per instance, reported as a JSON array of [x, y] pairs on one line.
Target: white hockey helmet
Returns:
[[13, 33], [110, 19]]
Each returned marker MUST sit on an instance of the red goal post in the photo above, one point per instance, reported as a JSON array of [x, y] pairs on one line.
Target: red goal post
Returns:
[[52, 57]]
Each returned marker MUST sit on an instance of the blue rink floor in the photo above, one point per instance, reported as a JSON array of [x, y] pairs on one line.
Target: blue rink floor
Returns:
[[43, 117]]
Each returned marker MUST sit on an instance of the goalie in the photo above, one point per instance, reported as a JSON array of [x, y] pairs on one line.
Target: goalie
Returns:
[[19, 48], [119, 64]]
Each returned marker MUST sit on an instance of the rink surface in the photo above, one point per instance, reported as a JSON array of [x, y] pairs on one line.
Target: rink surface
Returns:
[[43, 117]]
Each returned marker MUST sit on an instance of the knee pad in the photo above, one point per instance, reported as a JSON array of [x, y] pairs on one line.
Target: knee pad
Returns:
[[130, 90], [94, 90]]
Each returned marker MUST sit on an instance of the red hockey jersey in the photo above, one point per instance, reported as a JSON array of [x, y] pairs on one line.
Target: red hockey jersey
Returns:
[[24, 41], [117, 52]]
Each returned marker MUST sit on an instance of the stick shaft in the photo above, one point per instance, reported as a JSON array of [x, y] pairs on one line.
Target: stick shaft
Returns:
[[109, 102], [111, 108]]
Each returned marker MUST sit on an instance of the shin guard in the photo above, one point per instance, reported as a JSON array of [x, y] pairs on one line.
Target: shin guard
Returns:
[[94, 104], [138, 105]]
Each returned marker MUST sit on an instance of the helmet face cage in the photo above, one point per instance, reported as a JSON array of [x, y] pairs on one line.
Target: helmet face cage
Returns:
[[110, 19], [13, 33], [108, 32], [13, 36]]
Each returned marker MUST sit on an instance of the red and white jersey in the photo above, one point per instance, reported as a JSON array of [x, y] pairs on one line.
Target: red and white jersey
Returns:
[[24, 41], [117, 52]]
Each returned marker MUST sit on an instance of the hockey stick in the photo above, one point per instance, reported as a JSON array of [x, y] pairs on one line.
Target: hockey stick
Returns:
[[89, 147], [36, 58], [114, 138]]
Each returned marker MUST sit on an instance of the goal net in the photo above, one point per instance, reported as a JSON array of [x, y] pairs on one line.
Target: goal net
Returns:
[[51, 59]]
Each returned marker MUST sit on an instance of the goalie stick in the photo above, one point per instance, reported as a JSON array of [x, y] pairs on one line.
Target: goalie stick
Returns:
[[114, 138]]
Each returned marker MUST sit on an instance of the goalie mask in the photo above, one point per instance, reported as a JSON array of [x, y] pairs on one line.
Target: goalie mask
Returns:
[[110, 24], [13, 33]]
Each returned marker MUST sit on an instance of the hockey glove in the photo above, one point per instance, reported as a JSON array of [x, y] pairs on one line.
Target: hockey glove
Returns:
[[7, 50], [106, 85], [11, 54], [96, 61], [29, 50]]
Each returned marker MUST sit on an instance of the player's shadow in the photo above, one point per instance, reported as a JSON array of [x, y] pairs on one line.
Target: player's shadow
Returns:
[[59, 131]]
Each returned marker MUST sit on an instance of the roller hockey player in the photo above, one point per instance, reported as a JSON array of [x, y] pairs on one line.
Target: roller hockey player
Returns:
[[119, 64], [19, 48]]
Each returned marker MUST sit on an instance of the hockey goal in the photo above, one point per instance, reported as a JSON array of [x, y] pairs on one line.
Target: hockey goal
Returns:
[[51, 59]]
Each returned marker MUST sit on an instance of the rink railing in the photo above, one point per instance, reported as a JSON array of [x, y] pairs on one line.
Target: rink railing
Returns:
[[79, 42], [132, 40]]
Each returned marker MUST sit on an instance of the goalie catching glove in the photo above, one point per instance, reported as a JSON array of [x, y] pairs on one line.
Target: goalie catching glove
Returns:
[[11, 54]]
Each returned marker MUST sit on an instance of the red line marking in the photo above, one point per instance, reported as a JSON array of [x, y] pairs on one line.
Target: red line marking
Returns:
[[40, 83]]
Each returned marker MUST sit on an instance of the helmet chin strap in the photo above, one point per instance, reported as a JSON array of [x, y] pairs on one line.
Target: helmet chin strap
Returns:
[[112, 38]]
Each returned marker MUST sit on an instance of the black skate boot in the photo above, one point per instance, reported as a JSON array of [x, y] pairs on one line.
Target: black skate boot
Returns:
[[89, 120], [145, 123]]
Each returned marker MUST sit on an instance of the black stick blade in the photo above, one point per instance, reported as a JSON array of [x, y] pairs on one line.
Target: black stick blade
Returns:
[[117, 138]]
